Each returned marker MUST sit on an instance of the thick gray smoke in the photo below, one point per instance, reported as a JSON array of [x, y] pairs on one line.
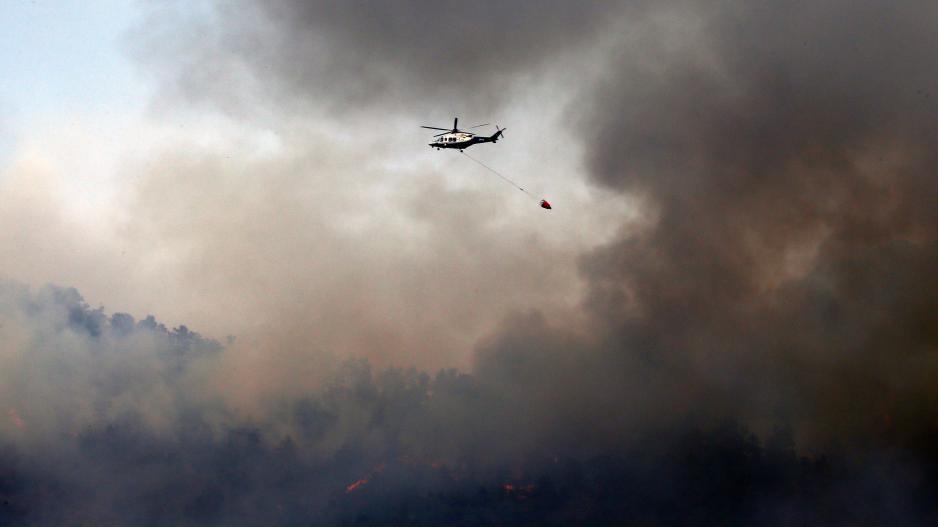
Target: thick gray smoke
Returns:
[[758, 346], [782, 271], [101, 445], [786, 157], [382, 57], [390, 447]]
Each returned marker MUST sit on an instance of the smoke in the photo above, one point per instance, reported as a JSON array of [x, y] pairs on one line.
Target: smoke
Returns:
[[69, 365], [380, 58], [780, 273], [757, 343], [136, 429], [785, 159], [310, 253]]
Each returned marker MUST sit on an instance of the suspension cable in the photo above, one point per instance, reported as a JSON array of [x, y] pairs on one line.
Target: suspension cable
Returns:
[[492, 170]]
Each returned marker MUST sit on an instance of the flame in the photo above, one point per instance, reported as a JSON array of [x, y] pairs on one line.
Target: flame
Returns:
[[17, 420], [519, 491], [403, 460], [355, 485]]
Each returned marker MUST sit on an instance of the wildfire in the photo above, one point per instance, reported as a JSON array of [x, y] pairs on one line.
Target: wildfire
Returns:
[[355, 485], [518, 491], [407, 461]]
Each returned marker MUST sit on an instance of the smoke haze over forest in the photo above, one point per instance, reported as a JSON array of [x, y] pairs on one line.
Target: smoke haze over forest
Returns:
[[730, 317]]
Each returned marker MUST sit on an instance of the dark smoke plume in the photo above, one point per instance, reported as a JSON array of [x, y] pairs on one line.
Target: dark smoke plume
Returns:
[[783, 270], [758, 347], [385, 57], [786, 159]]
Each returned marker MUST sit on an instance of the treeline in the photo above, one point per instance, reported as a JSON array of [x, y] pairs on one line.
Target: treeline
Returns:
[[106, 430]]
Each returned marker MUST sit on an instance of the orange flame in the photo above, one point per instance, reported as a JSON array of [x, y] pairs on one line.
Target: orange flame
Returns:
[[520, 491], [355, 485]]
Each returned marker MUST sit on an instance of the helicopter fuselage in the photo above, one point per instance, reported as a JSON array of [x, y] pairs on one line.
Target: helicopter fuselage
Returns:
[[461, 140]]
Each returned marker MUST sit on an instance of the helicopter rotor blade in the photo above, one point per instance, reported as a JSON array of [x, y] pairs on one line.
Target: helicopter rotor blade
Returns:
[[434, 128], [455, 121], [477, 126]]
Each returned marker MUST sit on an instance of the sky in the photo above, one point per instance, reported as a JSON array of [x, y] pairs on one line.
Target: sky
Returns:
[[91, 118], [226, 245], [68, 61]]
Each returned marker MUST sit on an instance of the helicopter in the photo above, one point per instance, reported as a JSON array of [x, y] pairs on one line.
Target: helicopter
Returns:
[[459, 139]]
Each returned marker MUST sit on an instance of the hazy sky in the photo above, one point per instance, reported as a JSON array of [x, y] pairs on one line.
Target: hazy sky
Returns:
[[241, 210], [63, 60], [744, 231]]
